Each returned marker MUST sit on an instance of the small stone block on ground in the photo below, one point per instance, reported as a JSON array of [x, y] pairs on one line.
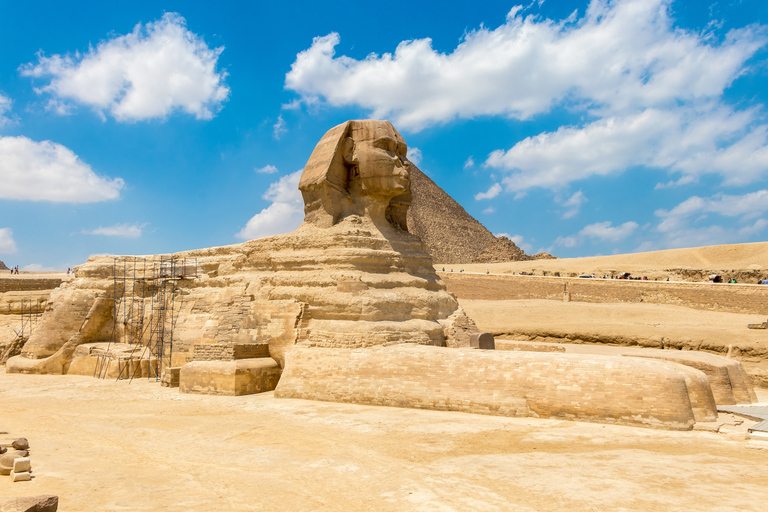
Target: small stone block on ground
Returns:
[[22, 476], [21, 464], [170, 377], [482, 340]]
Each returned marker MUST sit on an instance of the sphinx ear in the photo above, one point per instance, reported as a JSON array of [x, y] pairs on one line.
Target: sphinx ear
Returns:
[[348, 150]]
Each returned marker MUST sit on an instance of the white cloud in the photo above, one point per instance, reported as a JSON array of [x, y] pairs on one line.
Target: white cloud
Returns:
[[279, 129], [601, 231], [692, 236], [5, 107], [36, 267], [284, 214], [489, 210], [7, 243], [748, 206], [155, 70], [267, 169], [568, 241], [691, 141], [604, 231], [620, 55], [47, 171], [122, 230], [469, 163], [651, 93], [490, 193], [573, 204], [414, 155], [520, 242]]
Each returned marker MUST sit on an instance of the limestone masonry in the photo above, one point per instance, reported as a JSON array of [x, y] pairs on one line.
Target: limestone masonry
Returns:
[[348, 307]]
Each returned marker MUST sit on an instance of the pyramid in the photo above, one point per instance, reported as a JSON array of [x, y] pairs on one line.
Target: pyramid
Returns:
[[2, 266], [450, 233]]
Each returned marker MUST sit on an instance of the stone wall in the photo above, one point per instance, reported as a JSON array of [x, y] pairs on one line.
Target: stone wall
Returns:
[[751, 299], [229, 351], [14, 284]]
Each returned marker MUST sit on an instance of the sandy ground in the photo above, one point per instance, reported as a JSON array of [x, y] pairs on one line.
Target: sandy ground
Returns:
[[640, 320], [723, 257], [627, 324], [105, 445]]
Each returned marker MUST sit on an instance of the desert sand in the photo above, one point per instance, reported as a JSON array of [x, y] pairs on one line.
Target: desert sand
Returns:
[[752, 256], [106, 445]]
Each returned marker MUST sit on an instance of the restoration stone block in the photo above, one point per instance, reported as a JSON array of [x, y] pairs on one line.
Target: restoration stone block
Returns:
[[482, 340], [20, 477], [239, 377], [21, 464], [170, 378]]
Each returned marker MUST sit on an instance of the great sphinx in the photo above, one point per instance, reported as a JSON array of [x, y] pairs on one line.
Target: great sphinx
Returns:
[[348, 307], [350, 276]]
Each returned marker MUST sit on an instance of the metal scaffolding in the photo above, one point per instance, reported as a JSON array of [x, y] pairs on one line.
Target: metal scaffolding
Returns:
[[29, 318], [144, 312]]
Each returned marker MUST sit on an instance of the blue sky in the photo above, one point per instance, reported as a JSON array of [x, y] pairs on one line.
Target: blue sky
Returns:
[[574, 127]]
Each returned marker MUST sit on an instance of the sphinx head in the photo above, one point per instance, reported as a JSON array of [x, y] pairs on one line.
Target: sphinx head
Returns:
[[358, 167]]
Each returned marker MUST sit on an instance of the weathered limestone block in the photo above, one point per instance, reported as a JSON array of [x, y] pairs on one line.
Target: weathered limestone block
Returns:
[[79, 316], [23, 476], [482, 340], [6, 460], [236, 377], [590, 388], [84, 358], [229, 351], [170, 377], [527, 346], [43, 503], [18, 302], [730, 383], [110, 360], [21, 464]]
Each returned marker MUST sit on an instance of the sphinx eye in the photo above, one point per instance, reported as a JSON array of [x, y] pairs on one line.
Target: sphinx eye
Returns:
[[402, 150], [385, 144]]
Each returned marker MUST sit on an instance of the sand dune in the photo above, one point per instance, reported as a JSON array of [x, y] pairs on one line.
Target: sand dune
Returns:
[[751, 258]]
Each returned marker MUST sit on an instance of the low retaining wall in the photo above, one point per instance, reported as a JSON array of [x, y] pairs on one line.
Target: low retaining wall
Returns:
[[20, 284], [734, 298]]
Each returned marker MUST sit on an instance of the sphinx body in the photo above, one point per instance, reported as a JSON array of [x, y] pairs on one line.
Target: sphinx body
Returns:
[[350, 276], [349, 308]]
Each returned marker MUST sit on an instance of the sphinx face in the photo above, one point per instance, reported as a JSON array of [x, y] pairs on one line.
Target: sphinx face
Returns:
[[381, 156]]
